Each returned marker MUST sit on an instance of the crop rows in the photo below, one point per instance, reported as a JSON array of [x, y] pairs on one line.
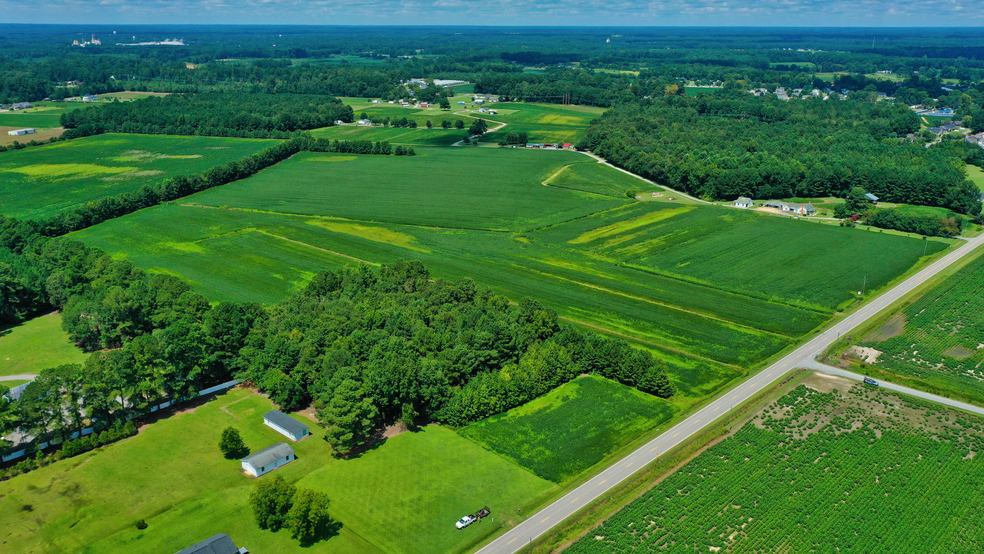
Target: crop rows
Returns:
[[818, 473], [943, 337]]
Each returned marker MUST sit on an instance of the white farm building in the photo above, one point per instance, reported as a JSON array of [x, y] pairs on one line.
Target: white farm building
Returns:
[[743, 202], [21, 132], [286, 425], [268, 459]]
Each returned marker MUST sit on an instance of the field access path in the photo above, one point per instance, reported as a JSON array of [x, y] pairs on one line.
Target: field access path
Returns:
[[539, 523]]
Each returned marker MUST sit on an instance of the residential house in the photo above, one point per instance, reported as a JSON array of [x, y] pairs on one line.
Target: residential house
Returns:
[[743, 202], [90, 98], [286, 425], [218, 544], [268, 459], [20, 106], [774, 204], [801, 209]]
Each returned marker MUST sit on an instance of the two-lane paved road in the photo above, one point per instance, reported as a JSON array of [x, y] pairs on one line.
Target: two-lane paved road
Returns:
[[541, 522]]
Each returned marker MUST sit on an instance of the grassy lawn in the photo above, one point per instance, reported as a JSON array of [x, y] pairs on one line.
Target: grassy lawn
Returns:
[[36, 344], [47, 180], [571, 428], [173, 476], [976, 175]]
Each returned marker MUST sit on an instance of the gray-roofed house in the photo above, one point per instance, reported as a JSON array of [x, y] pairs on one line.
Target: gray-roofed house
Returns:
[[871, 197], [743, 202], [286, 425], [268, 459], [774, 204], [218, 544], [20, 106]]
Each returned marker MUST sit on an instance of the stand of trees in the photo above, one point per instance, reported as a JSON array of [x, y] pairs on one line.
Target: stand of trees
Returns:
[[726, 146], [235, 114]]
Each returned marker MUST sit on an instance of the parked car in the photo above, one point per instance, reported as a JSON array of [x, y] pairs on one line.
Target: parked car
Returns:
[[465, 522], [870, 381]]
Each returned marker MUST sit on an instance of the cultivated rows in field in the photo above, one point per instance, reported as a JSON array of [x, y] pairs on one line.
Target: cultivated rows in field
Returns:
[[573, 427], [47, 180], [849, 472], [594, 256], [942, 338]]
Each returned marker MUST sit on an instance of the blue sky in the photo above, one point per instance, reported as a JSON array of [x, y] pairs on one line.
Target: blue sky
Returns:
[[795, 13]]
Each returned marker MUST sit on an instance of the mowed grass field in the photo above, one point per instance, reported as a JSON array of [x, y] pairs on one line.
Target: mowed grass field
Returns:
[[976, 175], [599, 260], [173, 476], [571, 428], [36, 344], [47, 180]]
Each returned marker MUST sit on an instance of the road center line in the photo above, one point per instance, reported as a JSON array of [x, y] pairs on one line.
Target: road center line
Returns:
[[544, 519], [603, 482], [628, 464], [572, 501], [510, 542]]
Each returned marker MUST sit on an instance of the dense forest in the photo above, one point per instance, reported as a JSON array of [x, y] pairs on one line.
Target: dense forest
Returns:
[[214, 114], [368, 347], [723, 147]]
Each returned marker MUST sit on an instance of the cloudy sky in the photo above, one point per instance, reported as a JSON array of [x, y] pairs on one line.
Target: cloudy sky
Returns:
[[796, 13]]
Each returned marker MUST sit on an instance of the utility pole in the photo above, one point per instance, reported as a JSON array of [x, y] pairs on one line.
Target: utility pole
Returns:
[[863, 284]]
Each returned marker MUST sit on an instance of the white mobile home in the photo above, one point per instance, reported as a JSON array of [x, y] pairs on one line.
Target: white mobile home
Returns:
[[286, 425], [268, 459]]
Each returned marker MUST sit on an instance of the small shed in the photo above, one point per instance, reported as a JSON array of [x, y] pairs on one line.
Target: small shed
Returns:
[[21, 132], [871, 197], [285, 425], [268, 459], [743, 202], [218, 544]]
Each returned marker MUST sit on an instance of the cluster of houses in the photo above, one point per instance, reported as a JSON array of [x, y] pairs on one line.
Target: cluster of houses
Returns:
[[942, 129], [20, 106], [547, 145], [790, 207], [977, 139]]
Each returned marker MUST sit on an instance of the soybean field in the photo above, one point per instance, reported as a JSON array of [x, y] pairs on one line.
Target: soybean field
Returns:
[[938, 338], [43, 181], [571, 428], [834, 468]]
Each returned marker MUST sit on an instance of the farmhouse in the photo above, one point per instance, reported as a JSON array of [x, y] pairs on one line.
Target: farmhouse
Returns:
[[802, 209], [285, 425], [21, 132], [219, 544], [743, 202], [20, 106], [268, 459]]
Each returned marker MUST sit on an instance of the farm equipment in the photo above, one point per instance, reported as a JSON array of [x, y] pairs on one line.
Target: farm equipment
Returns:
[[870, 381], [472, 518]]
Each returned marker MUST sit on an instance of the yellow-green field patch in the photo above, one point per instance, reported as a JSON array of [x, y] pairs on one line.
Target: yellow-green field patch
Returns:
[[629, 224], [369, 232], [70, 171]]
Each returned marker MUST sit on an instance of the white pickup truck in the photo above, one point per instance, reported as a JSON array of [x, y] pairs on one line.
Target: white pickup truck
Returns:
[[472, 518]]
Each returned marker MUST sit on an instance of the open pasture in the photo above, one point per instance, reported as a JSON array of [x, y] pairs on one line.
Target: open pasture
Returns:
[[36, 344], [938, 338], [849, 469], [176, 479], [571, 428], [46, 180]]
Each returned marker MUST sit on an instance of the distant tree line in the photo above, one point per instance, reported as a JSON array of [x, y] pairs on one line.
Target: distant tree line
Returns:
[[214, 114], [724, 146]]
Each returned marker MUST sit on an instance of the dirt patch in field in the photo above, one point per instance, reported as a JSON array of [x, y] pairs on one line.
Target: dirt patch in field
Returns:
[[958, 352], [863, 353], [41, 135], [395, 429], [892, 328], [311, 413], [825, 382]]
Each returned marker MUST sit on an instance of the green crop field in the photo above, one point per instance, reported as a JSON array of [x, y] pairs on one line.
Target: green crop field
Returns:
[[571, 428], [976, 175], [580, 253], [421, 135], [47, 180], [439, 187], [36, 344], [851, 471], [939, 338], [542, 122], [173, 476], [597, 179]]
